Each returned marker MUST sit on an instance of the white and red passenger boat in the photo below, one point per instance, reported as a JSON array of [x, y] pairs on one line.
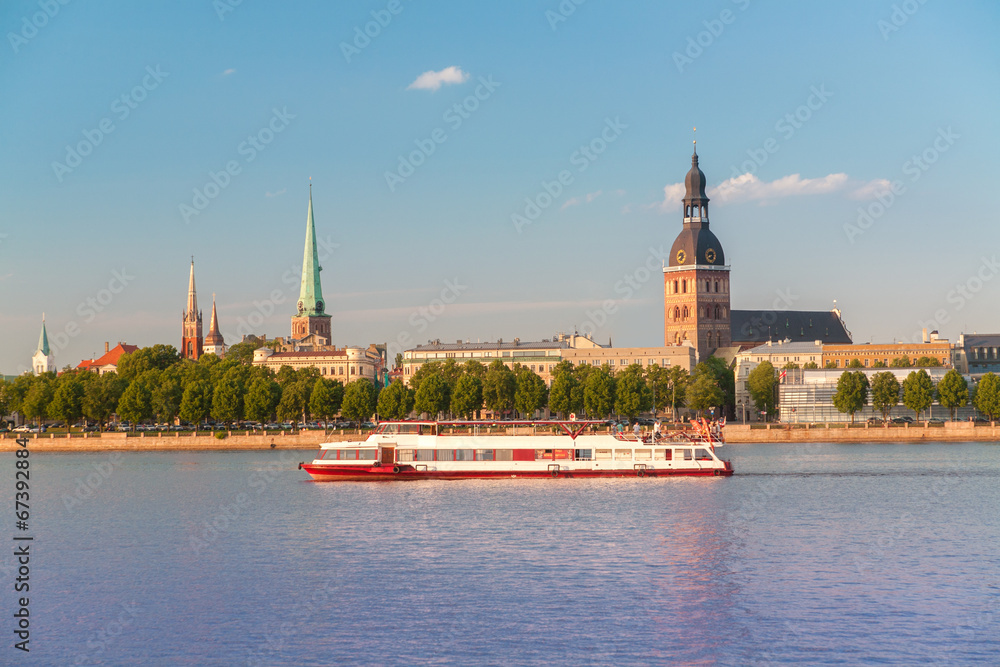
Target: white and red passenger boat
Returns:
[[408, 450]]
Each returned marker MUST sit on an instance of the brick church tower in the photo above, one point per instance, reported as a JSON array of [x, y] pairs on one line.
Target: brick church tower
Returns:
[[191, 339], [696, 281], [311, 317]]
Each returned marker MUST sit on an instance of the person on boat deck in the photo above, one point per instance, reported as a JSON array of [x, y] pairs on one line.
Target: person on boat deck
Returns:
[[656, 430], [637, 429]]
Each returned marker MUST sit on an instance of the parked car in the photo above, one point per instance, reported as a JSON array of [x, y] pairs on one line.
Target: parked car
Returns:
[[875, 421], [935, 420]]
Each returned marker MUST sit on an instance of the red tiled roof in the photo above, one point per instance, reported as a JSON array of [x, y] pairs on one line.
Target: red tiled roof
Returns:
[[110, 357]]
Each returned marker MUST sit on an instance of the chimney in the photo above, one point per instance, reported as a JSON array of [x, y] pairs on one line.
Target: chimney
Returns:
[[106, 350]]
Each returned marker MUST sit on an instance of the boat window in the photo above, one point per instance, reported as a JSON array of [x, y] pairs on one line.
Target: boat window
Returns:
[[603, 455], [504, 454], [682, 453], [623, 455], [424, 455], [562, 454], [584, 454], [484, 455], [523, 455], [662, 454], [643, 454], [445, 454], [702, 455], [428, 429], [463, 454], [405, 455], [541, 454]]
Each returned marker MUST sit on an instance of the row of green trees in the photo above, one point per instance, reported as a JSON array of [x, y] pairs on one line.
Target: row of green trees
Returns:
[[917, 392], [154, 383], [464, 390]]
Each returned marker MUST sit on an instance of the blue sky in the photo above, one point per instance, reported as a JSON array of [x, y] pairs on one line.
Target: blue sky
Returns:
[[102, 245]]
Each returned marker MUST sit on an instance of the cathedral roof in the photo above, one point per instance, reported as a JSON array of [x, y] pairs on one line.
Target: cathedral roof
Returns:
[[760, 326]]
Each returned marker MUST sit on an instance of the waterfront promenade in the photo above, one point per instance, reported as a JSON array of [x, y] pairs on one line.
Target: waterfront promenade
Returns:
[[735, 434], [957, 431]]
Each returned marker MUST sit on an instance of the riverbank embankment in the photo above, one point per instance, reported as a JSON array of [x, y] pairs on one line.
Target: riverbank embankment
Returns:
[[842, 432], [734, 434]]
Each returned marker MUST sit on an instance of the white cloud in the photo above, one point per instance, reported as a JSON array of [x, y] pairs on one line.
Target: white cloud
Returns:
[[276, 194], [587, 198], [672, 196], [750, 188], [871, 189], [228, 72], [431, 80]]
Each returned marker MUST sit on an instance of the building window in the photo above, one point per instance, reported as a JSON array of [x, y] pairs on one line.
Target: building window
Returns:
[[716, 286], [708, 286], [677, 313], [675, 287], [684, 286], [686, 312]]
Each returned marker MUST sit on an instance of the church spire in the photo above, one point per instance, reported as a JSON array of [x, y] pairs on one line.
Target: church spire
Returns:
[[311, 291], [192, 303], [213, 327], [43, 339], [41, 360], [695, 198], [191, 338]]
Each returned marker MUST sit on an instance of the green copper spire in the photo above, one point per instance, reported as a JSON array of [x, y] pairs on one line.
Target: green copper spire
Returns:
[[43, 339], [311, 292]]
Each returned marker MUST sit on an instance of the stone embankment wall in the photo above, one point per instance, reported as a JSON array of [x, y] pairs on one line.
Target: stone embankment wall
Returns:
[[946, 432], [89, 442], [735, 434]]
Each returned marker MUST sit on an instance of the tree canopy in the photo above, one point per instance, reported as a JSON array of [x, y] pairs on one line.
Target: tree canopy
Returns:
[[761, 383], [987, 399], [852, 392], [918, 391], [885, 392], [953, 391]]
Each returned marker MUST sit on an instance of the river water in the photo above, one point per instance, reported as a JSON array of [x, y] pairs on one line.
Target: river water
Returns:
[[810, 554]]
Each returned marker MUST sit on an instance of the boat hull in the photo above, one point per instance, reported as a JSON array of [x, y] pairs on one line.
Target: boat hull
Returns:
[[399, 473]]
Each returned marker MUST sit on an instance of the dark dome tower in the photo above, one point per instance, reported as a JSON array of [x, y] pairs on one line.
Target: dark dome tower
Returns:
[[696, 281]]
